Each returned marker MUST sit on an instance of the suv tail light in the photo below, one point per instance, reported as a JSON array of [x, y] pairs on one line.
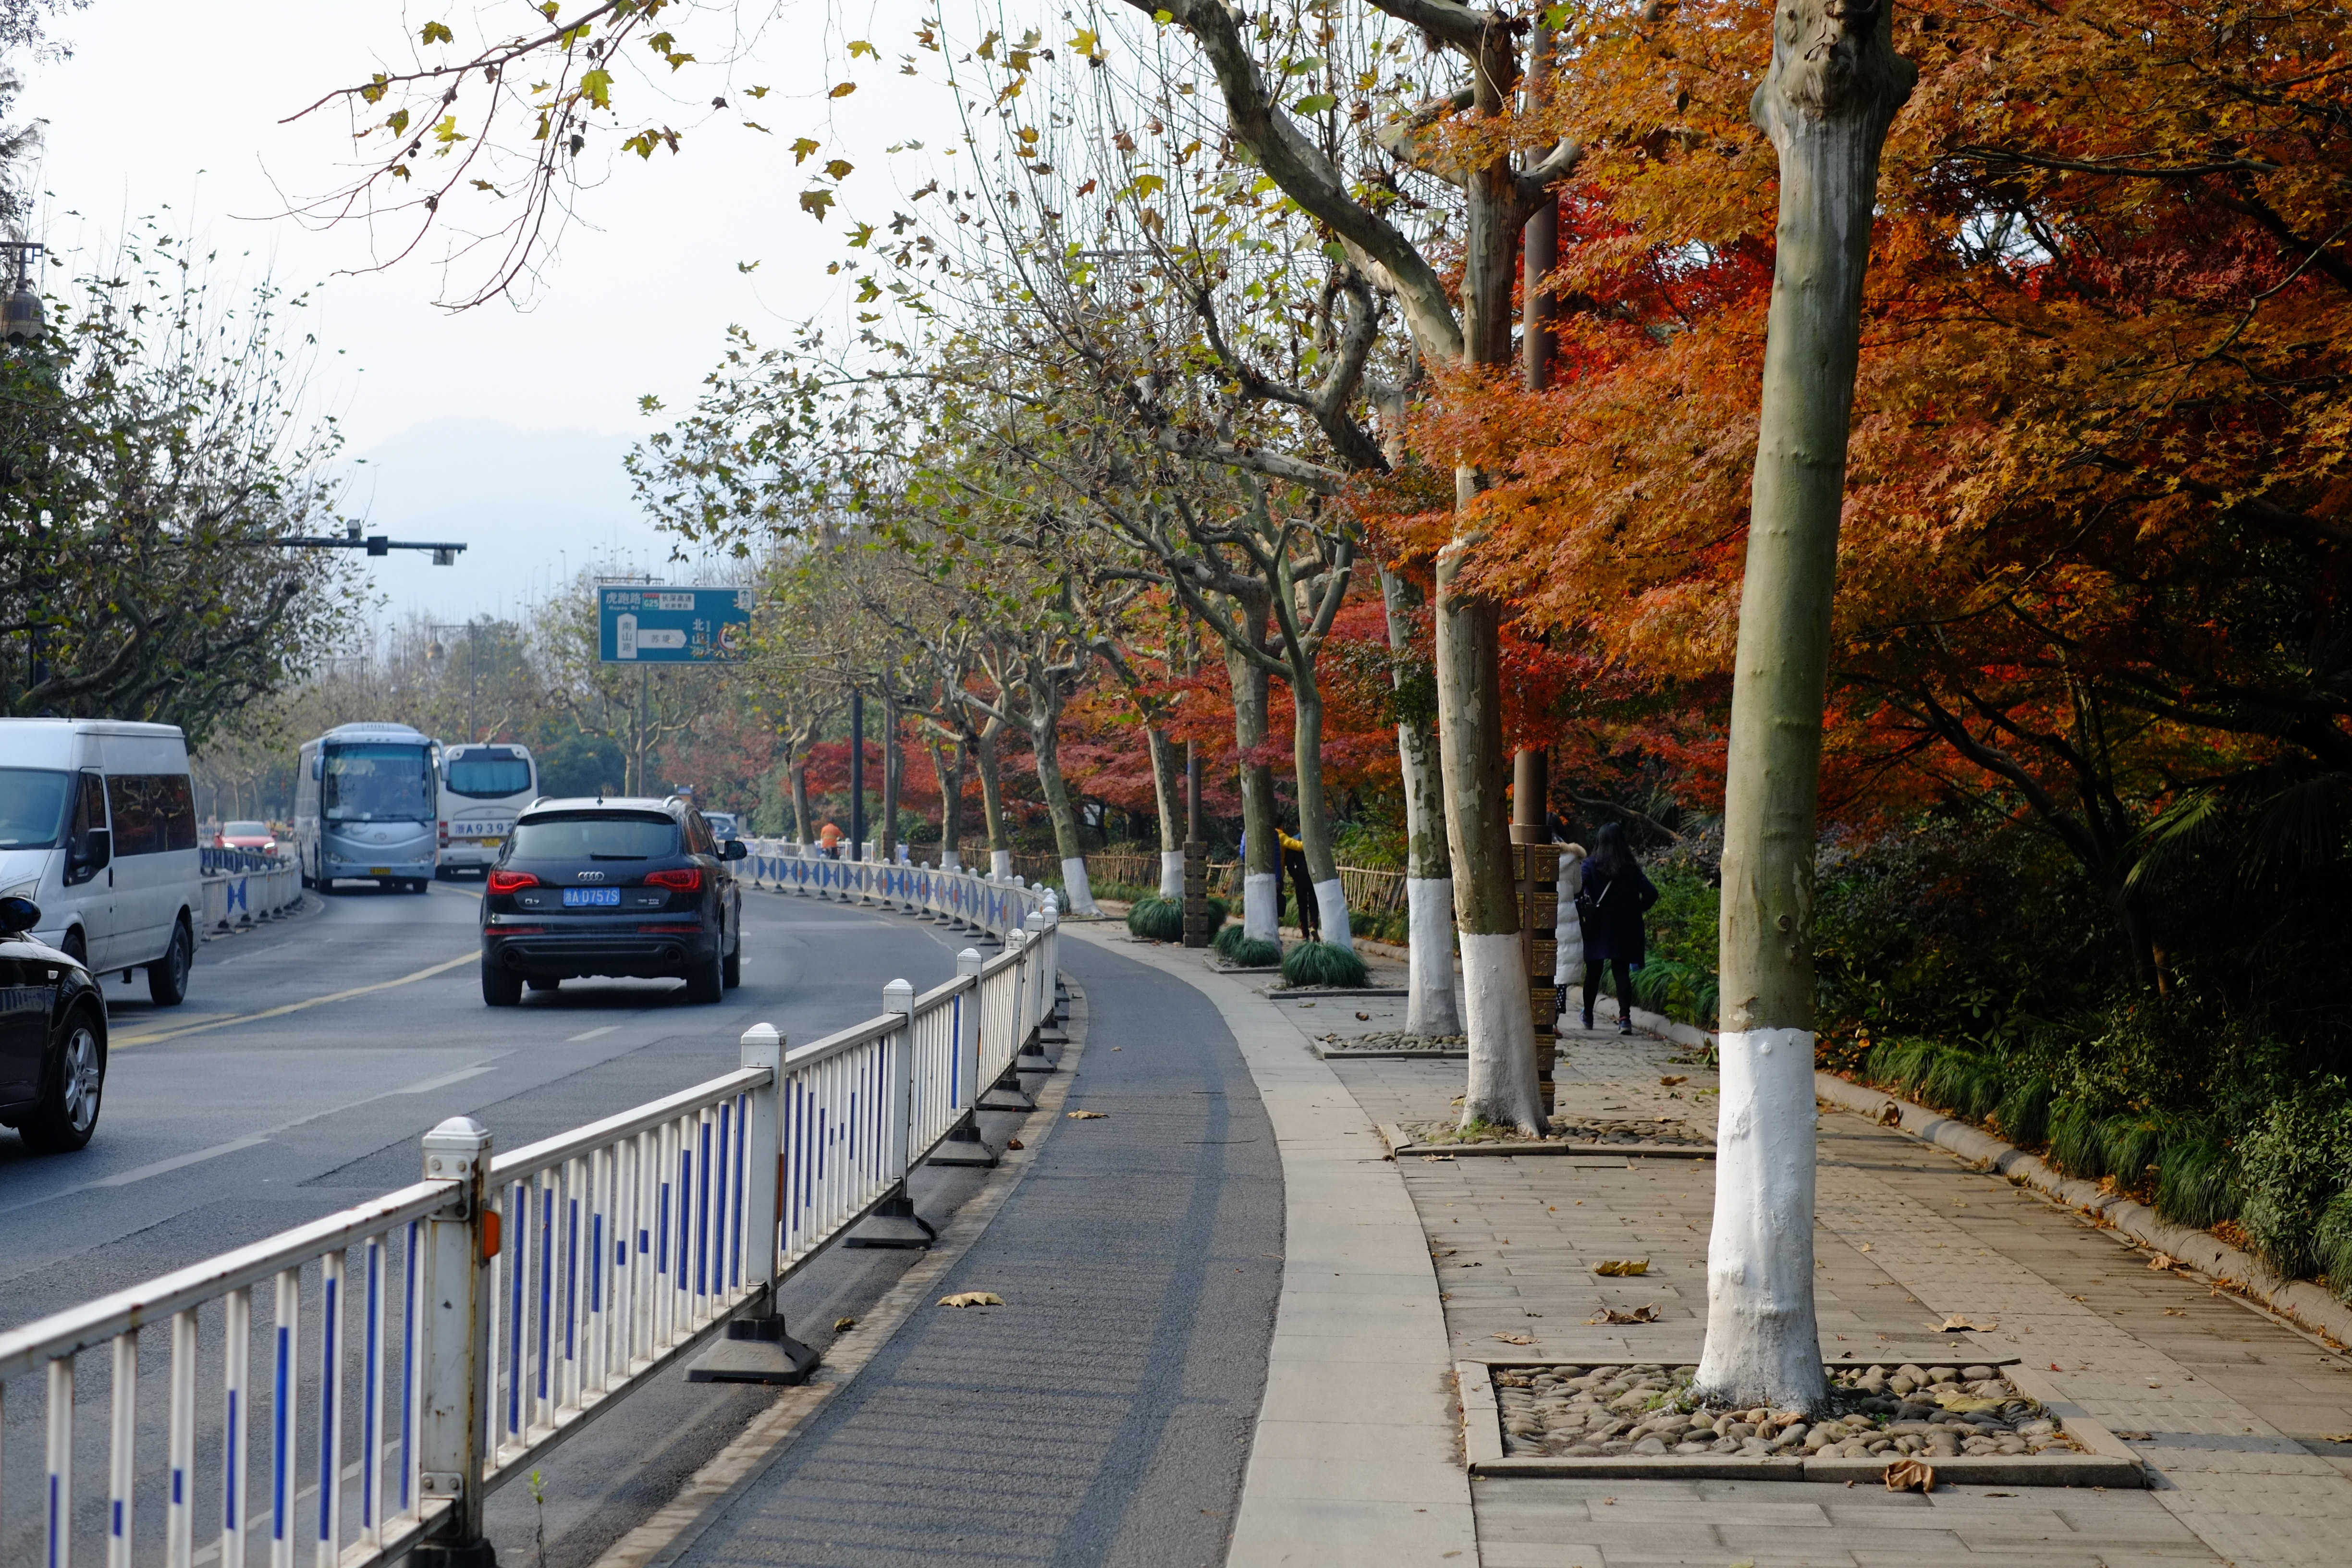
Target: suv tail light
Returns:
[[507, 881], [684, 880]]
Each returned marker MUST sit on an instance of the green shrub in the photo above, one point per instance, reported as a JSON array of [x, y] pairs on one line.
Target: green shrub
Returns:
[[1322, 964], [2293, 1164], [1155, 919], [2128, 1145], [2198, 1184], [2332, 1245], [2074, 1144], [1225, 941], [2024, 1113], [1248, 952]]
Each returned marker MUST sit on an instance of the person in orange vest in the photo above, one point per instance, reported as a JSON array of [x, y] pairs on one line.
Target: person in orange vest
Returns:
[[828, 838]]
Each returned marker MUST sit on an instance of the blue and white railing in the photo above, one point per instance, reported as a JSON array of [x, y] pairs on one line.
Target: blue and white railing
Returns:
[[417, 1350]]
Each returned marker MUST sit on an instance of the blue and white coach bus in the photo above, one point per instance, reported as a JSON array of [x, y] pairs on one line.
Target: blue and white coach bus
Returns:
[[364, 800]]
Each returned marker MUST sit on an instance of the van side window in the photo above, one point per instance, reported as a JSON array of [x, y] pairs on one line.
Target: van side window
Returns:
[[152, 813]]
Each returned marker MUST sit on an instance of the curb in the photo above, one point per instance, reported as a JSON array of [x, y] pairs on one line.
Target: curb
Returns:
[[2303, 1304]]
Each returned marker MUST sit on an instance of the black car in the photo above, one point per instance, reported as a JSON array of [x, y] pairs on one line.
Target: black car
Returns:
[[612, 887], [52, 1038]]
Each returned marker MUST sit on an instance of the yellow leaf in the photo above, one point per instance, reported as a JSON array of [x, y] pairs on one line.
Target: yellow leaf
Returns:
[[844, 90], [843, 1325], [973, 1299], [839, 168], [1515, 1339], [1955, 1323], [801, 149], [1910, 1475], [755, 125], [860, 47], [398, 122], [436, 33], [1086, 1115], [755, 92], [596, 87], [814, 203], [1622, 1269]]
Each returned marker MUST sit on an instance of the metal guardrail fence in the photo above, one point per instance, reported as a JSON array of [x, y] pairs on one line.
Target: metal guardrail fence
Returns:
[[424, 1347]]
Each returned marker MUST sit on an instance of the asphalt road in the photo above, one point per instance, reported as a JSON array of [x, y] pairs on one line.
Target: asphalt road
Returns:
[[296, 1079]]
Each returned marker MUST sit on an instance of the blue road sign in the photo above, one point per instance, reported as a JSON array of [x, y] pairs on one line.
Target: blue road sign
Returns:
[[671, 626]]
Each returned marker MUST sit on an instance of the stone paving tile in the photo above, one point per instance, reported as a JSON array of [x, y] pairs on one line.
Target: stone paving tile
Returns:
[[2234, 1404]]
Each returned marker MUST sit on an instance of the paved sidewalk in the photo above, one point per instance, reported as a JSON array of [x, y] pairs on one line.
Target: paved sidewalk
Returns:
[[2232, 1406]]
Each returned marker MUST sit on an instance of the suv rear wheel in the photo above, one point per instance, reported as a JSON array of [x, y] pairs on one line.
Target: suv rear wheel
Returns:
[[730, 973], [501, 986], [706, 981]]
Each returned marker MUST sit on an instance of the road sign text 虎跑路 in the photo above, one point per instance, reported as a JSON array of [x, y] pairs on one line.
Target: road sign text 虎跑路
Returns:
[[671, 626]]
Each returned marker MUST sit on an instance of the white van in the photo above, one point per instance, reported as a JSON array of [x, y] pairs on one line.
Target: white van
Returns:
[[98, 826]]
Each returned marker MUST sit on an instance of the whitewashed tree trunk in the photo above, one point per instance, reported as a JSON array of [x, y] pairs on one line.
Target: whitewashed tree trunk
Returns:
[[1430, 1008], [1834, 84], [1262, 847], [1314, 808], [1169, 796]]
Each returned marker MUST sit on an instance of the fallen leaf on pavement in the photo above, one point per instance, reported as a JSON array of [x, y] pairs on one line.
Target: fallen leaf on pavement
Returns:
[[1622, 1269], [1910, 1475], [843, 1325], [1014, 1143], [1670, 1082], [1515, 1339], [1436, 1157], [1955, 1323], [1866, 1246], [1088, 1115], [1890, 1116], [973, 1299], [2162, 1261], [1645, 1314], [1367, 1017], [2337, 1438]]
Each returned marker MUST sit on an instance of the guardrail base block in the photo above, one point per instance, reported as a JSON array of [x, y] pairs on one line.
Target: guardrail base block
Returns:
[[1008, 1096], [964, 1146], [894, 1224], [756, 1350], [463, 1554]]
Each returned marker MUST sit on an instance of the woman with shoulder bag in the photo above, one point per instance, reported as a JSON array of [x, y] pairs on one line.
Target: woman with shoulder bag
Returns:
[[1614, 898]]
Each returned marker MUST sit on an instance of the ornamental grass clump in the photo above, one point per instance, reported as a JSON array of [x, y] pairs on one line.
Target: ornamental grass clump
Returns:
[[1323, 964]]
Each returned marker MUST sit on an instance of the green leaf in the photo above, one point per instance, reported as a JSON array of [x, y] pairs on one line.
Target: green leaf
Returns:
[[801, 149], [596, 87], [1313, 103], [398, 122], [861, 236], [815, 202], [436, 33]]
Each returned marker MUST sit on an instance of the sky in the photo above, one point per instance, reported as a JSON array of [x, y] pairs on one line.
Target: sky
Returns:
[[500, 426]]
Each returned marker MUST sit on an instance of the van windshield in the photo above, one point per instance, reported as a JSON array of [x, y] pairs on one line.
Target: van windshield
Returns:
[[378, 783], [598, 838], [32, 807], [487, 778]]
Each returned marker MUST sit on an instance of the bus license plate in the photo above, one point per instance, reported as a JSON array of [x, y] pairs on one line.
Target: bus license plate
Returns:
[[608, 898], [379, 870]]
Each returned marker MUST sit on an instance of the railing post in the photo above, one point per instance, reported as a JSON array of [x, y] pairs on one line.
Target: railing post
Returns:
[[756, 1348], [964, 1145], [1006, 1093], [453, 1387], [1038, 949], [896, 1222]]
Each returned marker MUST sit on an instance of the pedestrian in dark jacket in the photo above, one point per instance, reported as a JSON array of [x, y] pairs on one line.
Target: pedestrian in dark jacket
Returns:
[[1614, 898]]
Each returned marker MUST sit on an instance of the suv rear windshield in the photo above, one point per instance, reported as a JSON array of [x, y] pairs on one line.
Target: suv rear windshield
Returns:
[[598, 836]]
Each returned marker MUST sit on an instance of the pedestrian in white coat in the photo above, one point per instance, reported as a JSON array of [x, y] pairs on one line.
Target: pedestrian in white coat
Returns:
[[1568, 969]]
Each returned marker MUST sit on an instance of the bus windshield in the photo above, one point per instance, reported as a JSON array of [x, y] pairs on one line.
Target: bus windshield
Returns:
[[377, 783], [487, 778]]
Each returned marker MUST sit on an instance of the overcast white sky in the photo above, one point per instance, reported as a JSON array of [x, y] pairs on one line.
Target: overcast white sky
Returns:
[[499, 426]]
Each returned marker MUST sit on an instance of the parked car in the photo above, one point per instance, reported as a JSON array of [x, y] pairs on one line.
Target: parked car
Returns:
[[98, 828], [52, 1037], [612, 887], [246, 836]]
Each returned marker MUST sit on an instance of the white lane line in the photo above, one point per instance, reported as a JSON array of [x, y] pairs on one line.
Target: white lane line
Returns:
[[182, 1161], [446, 1078], [592, 1034], [155, 1037]]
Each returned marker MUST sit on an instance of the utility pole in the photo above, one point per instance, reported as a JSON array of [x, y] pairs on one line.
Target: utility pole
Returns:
[[1196, 855], [856, 775]]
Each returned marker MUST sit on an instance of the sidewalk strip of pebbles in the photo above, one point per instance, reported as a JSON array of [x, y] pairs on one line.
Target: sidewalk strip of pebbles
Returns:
[[1392, 1042], [1878, 1412], [1566, 1129]]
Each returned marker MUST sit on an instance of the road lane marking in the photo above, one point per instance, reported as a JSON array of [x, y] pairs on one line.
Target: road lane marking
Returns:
[[279, 1012], [592, 1034], [163, 1167], [446, 1078]]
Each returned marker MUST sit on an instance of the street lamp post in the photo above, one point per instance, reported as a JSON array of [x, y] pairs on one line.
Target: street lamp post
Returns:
[[434, 651]]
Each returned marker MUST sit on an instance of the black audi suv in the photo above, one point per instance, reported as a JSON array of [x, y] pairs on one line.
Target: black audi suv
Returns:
[[612, 887]]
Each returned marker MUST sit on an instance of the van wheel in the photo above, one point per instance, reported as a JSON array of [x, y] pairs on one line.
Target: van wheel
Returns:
[[501, 986], [67, 1112], [75, 947], [167, 977], [706, 982]]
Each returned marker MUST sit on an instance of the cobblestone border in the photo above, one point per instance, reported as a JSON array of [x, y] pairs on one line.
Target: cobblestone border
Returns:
[[2303, 1304], [2109, 1463]]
